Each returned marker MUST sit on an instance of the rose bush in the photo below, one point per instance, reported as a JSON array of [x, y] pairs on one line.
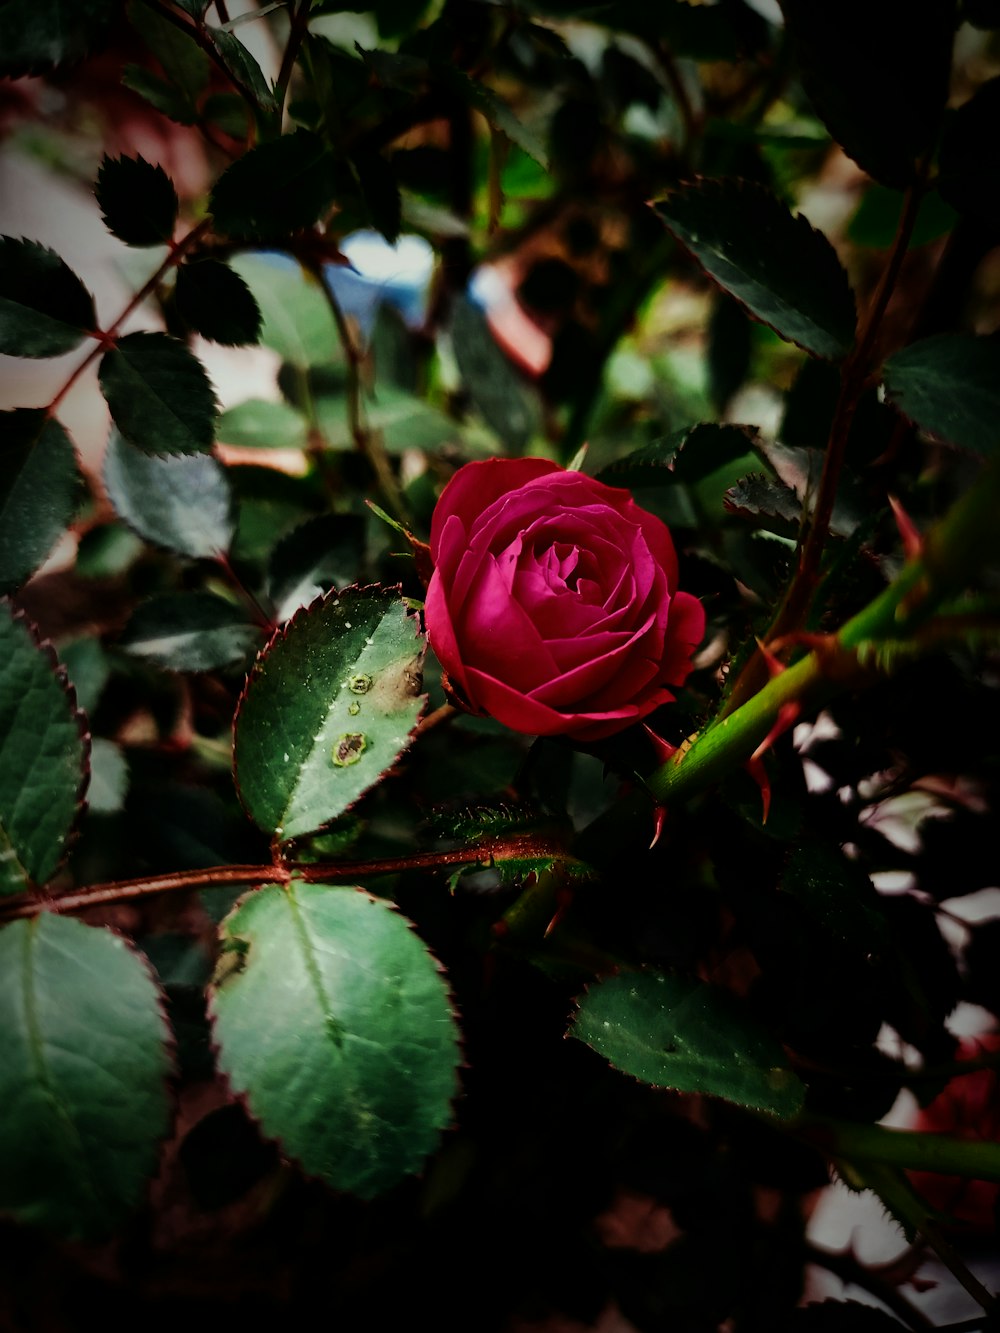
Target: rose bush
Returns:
[[553, 606]]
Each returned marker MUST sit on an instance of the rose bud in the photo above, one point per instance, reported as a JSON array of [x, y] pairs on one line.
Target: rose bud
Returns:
[[553, 606]]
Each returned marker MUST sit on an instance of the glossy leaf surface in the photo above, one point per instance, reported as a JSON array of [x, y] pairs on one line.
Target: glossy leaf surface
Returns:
[[328, 708], [677, 1032], [216, 302], [333, 1020], [189, 631], [43, 755], [83, 1069], [183, 503]]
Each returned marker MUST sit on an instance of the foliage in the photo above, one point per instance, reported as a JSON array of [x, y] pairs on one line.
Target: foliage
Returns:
[[290, 942]]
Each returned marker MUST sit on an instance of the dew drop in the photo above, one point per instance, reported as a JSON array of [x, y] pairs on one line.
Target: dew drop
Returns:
[[286, 756]]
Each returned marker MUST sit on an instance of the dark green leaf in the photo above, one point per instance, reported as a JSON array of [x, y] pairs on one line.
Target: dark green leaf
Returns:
[[43, 756], [730, 345], [784, 272], [969, 175], [45, 310], [38, 35], [838, 893], [950, 387], [216, 302], [496, 111], [403, 420], [244, 68], [183, 503], [184, 63], [159, 395], [159, 94], [762, 497], [335, 1025], [677, 1032], [297, 321], [190, 631], [324, 552], [507, 403], [380, 193], [877, 219], [687, 456], [261, 424], [137, 201], [195, 8], [39, 490], [327, 710], [83, 1069], [878, 80], [276, 188], [88, 670]]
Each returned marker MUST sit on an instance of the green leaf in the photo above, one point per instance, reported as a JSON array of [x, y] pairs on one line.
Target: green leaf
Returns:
[[278, 187], [507, 404], [496, 111], [776, 265], [43, 757], [878, 80], [297, 321], [950, 387], [261, 424], [335, 1025], [677, 1032], [322, 553], [183, 504], [39, 35], [83, 1068], [189, 631], [244, 68], [159, 94], [195, 8], [88, 670], [39, 491], [380, 192], [877, 219], [403, 420], [217, 303], [185, 64], [327, 710], [45, 310], [108, 778], [688, 455], [137, 201], [758, 496], [160, 397]]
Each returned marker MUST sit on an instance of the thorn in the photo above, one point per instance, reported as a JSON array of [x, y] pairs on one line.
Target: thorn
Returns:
[[787, 716], [664, 750], [774, 667], [756, 769], [564, 898], [913, 543], [660, 819]]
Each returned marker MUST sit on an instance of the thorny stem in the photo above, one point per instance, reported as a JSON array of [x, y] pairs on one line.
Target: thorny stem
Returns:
[[198, 33], [484, 852], [107, 336], [266, 622], [816, 524]]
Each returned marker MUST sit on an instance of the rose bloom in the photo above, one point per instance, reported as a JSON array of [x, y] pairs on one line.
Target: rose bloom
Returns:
[[553, 605]]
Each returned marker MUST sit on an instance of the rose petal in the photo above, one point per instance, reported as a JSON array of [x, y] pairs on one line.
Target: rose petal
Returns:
[[597, 674], [494, 630], [476, 486], [685, 631]]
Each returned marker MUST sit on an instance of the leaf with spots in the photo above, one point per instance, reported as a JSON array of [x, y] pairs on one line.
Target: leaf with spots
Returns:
[[43, 757], [327, 709], [681, 1033], [83, 1067], [332, 1018]]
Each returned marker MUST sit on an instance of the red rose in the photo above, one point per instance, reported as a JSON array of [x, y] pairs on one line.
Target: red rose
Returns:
[[553, 605]]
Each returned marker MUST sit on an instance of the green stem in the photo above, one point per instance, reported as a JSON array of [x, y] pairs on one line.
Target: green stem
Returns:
[[964, 541], [911, 1149]]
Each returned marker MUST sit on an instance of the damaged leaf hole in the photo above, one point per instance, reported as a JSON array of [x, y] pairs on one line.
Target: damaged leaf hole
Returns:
[[349, 749]]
